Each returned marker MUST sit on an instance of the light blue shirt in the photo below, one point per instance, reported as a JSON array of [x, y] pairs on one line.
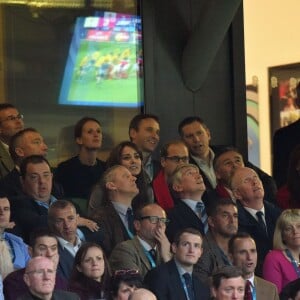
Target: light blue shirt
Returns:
[[1, 288]]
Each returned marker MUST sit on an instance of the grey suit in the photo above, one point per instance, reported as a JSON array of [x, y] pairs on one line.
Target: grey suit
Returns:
[[57, 295], [265, 290], [131, 255], [6, 162]]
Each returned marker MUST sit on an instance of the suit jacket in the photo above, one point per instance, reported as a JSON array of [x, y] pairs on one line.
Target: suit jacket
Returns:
[[131, 255], [284, 141], [182, 216], [57, 295], [6, 162], [165, 282], [264, 242], [265, 290], [65, 264]]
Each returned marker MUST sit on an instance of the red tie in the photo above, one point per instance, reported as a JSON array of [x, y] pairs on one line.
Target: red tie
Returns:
[[248, 294]]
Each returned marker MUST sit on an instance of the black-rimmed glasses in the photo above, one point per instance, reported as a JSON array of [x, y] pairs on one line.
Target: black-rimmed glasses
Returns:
[[126, 272], [155, 219], [177, 159], [13, 118]]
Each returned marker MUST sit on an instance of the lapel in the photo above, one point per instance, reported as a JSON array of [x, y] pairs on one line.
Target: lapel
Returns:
[[141, 253], [175, 281], [189, 217], [6, 160]]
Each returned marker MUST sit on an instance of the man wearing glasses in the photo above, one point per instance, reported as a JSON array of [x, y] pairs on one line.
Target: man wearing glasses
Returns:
[[149, 247], [11, 122], [172, 155]]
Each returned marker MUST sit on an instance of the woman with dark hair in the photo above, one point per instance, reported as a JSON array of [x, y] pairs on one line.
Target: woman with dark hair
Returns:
[[288, 196], [128, 155], [90, 277], [123, 283]]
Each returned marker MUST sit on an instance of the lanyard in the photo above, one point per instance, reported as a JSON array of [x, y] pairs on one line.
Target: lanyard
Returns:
[[253, 293], [293, 261], [151, 260]]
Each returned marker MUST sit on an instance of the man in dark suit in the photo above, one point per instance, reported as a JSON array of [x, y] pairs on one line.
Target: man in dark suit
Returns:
[[190, 210], [243, 253], [256, 216], [40, 278], [149, 247], [175, 279]]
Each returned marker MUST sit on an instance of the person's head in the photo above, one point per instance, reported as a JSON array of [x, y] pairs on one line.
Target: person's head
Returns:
[[187, 182], [144, 132], [120, 184], [226, 160], [291, 291], [142, 294], [90, 262], [11, 121], [36, 177], [4, 213], [196, 136], [26, 142], [223, 217], [124, 282], [228, 284], [63, 220], [247, 188], [149, 220], [187, 247], [243, 254], [43, 242], [128, 155], [287, 230], [40, 277], [88, 133], [172, 155]]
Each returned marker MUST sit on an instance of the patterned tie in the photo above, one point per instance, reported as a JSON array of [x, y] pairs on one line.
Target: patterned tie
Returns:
[[152, 252], [189, 285], [200, 207], [129, 216], [248, 293], [261, 221]]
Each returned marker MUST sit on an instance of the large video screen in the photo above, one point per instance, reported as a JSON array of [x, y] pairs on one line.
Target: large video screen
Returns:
[[105, 62]]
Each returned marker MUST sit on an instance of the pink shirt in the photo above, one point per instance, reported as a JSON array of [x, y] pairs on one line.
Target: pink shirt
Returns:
[[278, 269]]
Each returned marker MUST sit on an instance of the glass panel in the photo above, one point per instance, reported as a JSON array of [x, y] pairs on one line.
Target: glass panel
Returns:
[[59, 64]]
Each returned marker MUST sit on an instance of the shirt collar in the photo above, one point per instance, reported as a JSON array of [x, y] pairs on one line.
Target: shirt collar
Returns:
[[45, 204], [120, 207], [180, 269], [65, 243], [145, 245]]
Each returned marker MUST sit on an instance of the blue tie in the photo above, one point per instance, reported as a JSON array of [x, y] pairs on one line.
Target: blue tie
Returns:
[[200, 207], [189, 285], [129, 216]]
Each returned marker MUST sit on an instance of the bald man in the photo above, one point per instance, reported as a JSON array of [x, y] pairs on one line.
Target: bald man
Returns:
[[142, 294]]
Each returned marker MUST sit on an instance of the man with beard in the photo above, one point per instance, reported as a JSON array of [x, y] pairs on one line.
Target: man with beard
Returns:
[[223, 224], [243, 254], [144, 132]]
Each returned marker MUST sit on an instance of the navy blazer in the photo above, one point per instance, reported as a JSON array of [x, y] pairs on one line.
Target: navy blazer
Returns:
[[164, 281], [65, 264]]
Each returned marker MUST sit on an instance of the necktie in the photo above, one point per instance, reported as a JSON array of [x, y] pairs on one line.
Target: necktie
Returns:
[[129, 216], [152, 252], [248, 293], [200, 207], [189, 285], [261, 221]]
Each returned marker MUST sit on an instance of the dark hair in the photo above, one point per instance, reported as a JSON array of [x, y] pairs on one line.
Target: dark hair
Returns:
[[190, 230], [32, 159], [79, 277], [212, 208], [59, 204], [190, 120], [14, 141], [40, 232], [239, 235], [127, 278], [164, 149], [136, 120], [225, 273], [293, 178], [4, 106], [291, 290], [220, 151], [79, 125]]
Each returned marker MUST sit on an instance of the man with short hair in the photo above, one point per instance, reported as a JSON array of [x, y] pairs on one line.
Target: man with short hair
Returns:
[[223, 224], [11, 122], [190, 211], [40, 278], [144, 132], [142, 294], [149, 247], [256, 216], [42, 243], [175, 279], [228, 283], [243, 254], [172, 155]]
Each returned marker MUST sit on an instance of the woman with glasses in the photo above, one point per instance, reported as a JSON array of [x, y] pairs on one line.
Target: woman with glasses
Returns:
[[123, 283], [281, 265], [90, 277], [128, 155]]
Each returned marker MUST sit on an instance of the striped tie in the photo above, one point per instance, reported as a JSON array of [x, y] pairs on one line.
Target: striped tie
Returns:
[[200, 207]]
